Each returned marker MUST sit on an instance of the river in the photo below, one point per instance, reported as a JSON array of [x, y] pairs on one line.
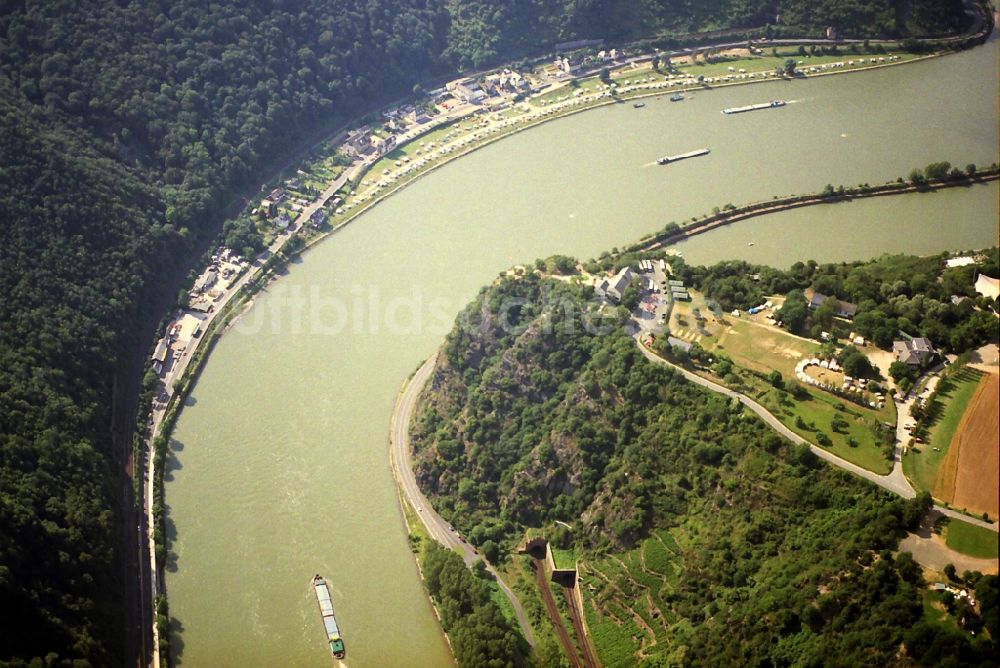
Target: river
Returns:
[[281, 468]]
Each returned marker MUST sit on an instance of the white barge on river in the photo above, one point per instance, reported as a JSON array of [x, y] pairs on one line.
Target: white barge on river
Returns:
[[666, 160], [754, 107], [329, 621]]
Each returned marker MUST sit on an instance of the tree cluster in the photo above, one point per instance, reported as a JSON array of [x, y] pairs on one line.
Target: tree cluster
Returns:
[[126, 128], [894, 294], [480, 634], [787, 560]]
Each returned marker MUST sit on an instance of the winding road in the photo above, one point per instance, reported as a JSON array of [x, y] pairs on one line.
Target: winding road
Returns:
[[402, 468], [895, 481]]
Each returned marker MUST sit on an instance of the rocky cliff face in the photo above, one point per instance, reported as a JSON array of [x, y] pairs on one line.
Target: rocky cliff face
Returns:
[[536, 415]]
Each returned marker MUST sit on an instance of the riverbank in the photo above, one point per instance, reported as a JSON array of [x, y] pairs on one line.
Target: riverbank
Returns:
[[534, 117], [406, 484], [712, 221], [386, 247]]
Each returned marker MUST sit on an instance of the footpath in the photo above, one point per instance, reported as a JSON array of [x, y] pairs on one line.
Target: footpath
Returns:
[[894, 481]]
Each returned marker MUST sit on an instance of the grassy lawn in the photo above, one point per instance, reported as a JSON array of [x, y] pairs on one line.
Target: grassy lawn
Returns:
[[935, 611], [564, 558], [760, 348], [817, 413], [768, 63], [587, 85], [953, 396], [764, 348], [971, 540], [752, 65], [409, 150], [418, 534], [503, 602]]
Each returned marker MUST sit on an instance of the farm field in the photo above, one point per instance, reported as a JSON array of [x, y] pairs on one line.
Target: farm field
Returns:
[[624, 599], [923, 462], [969, 475]]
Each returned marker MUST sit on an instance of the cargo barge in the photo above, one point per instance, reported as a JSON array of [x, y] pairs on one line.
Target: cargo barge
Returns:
[[329, 621], [754, 107], [666, 160]]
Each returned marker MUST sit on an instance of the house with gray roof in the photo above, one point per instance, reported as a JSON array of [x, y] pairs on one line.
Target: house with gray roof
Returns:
[[915, 352], [613, 288], [844, 309]]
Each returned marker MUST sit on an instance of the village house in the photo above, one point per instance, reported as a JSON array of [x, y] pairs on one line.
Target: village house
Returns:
[[513, 82], [160, 355], [269, 205], [844, 309], [268, 208], [358, 143], [417, 117], [317, 218], [505, 82], [467, 90], [383, 146], [202, 305], [613, 288], [915, 352], [566, 66], [205, 281]]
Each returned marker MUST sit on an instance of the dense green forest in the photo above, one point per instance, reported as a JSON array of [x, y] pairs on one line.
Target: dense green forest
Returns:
[[126, 128], [480, 635], [893, 293], [540, 410]]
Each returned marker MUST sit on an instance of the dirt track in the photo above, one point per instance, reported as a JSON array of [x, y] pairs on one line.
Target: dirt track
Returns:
[[970, 474]]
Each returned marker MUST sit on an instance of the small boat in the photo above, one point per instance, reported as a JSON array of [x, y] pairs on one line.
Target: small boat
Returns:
[[329, 621], [676, 98], [639, 105], [750, 244]]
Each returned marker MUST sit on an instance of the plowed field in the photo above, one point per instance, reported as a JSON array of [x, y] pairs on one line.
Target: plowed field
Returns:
[[970, 475]]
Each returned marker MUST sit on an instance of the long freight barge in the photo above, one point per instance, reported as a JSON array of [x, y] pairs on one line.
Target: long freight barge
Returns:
[[754, 107], [329, 621], [666, 160]]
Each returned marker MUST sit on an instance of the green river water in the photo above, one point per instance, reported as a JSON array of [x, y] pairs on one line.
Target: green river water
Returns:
[[281, 465]]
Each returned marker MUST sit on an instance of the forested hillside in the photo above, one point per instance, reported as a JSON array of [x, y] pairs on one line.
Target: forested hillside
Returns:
[[126, 127], [732, 546]]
